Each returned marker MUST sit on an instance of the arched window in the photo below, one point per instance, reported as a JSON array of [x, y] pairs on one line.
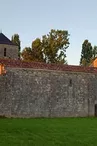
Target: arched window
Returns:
[[4, 52]]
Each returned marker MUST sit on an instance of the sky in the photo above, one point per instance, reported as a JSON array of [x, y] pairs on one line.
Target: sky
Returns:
[[33, 18]]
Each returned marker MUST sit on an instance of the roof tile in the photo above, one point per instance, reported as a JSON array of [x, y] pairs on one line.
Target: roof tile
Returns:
[[5, 40]]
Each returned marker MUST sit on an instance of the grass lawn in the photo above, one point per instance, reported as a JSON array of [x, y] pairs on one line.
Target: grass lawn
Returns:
[[48, 132]]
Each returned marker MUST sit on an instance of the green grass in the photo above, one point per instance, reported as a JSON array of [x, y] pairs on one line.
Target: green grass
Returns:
[[48, 132]]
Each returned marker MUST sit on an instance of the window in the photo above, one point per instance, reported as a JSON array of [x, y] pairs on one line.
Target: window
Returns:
[[4, 52]]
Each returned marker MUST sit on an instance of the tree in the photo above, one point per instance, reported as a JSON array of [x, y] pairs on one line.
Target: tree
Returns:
[[50, 49], [35, 53], [94, 52], [27, 54], [86, 54], [16, 39], [37, 50], [54, 46]]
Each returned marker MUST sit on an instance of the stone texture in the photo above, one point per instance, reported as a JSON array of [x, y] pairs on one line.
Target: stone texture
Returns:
[[40, 93], [11, 51]]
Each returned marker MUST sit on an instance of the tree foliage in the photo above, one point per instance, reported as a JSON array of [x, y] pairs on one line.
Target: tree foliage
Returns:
[[86, 54], [54, 46], [37, 50], [34, 53], [94, 52], [16, 39], [27, 54], [51, 48]]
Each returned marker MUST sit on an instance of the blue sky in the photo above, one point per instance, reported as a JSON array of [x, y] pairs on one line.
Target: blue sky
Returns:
[[34, 18]]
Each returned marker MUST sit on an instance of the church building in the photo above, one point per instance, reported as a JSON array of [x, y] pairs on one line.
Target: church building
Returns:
[[7, 48]]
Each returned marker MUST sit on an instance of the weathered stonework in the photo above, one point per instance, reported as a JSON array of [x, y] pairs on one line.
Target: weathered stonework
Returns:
[[45, 93], [11, 51]]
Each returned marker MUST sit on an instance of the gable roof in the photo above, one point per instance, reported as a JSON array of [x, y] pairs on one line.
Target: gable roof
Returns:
[[5, 40]]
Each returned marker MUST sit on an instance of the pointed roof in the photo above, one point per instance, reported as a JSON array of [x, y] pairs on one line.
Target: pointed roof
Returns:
[[5, 40]]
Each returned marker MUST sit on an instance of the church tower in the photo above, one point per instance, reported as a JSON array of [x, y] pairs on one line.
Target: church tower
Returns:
[[7, 48]]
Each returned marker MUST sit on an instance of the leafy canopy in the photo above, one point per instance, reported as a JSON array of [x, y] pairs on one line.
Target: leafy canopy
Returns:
[[50, 49]]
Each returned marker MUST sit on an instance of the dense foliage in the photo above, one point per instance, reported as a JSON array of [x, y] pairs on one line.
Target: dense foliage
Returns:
[[50, 49]]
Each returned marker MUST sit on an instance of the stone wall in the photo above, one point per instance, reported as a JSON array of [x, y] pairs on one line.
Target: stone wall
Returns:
[[45, 93], [11, 51]]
